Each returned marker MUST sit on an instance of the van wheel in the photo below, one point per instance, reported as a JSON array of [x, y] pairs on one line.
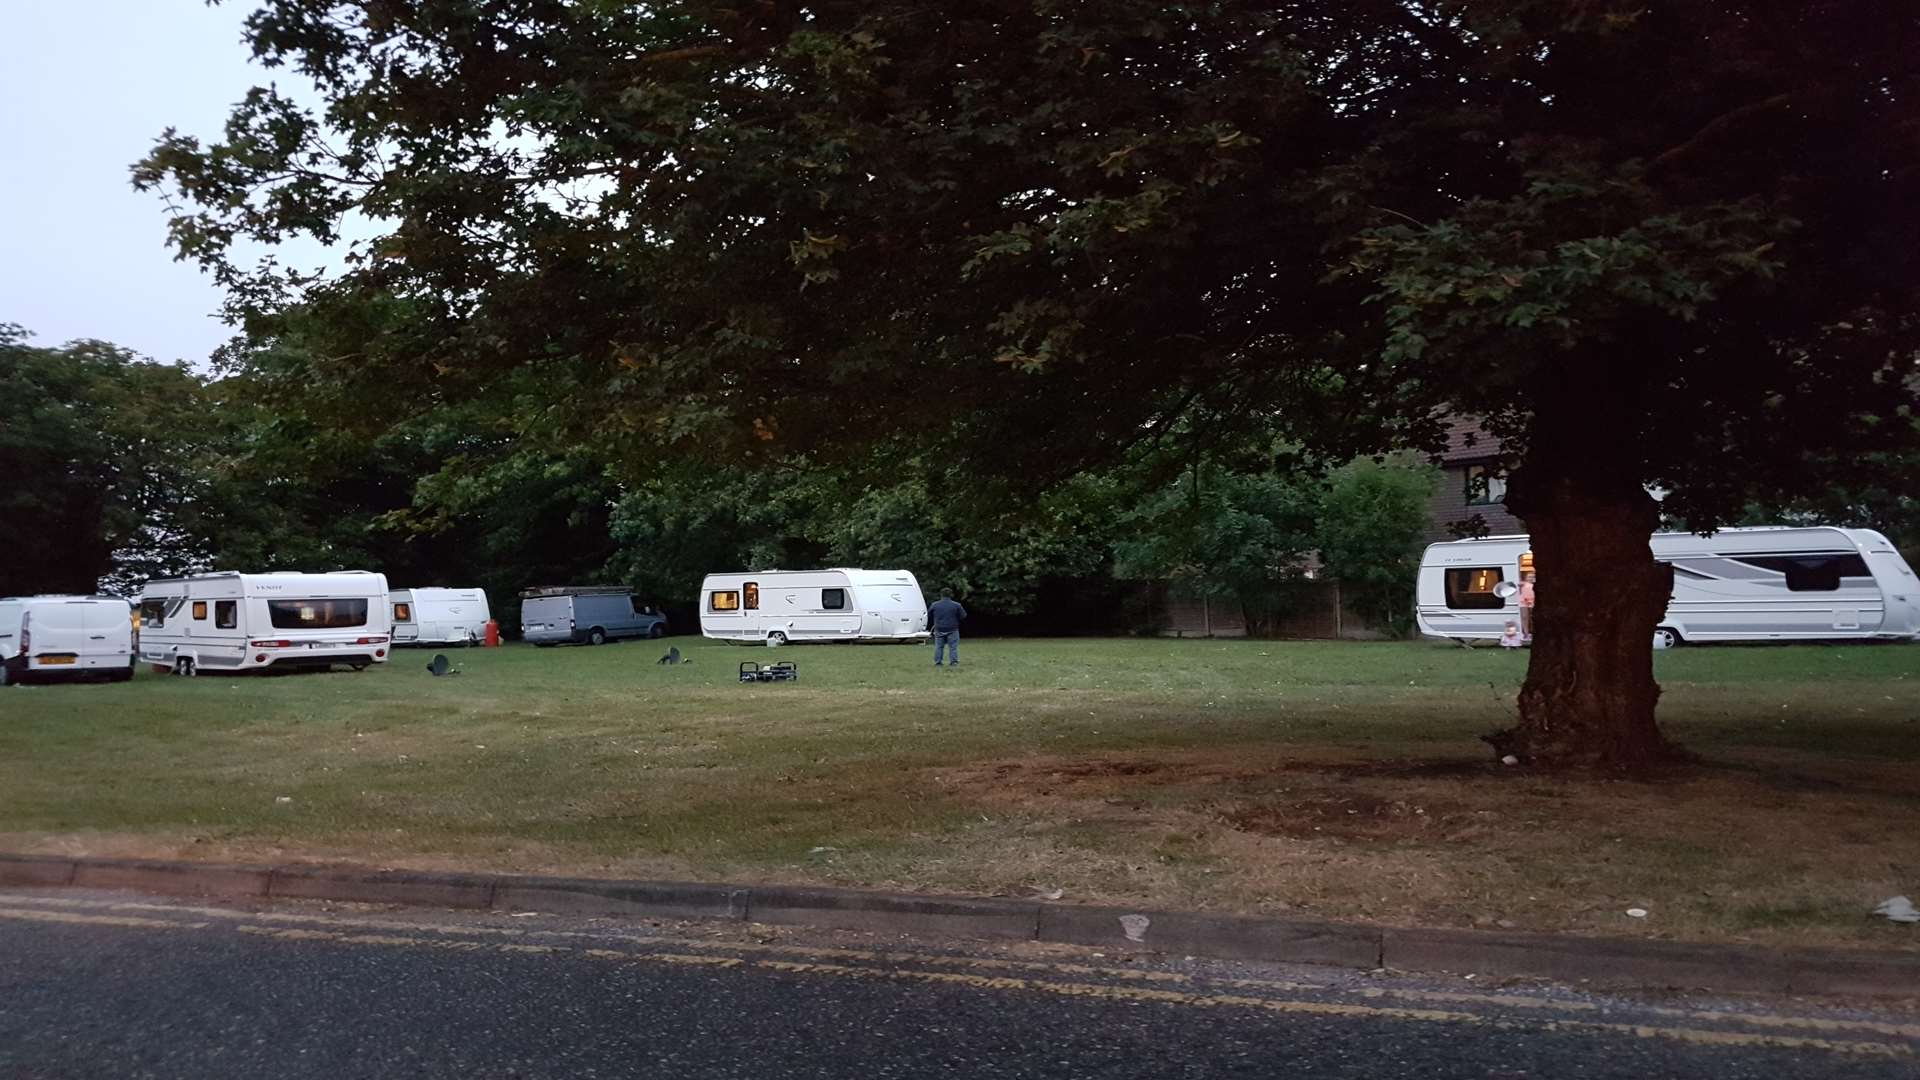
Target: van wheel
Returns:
[[183, 666], [596, 636], [358, 665], [776, 638], [121, 674], [1666, 637], [659, 631]]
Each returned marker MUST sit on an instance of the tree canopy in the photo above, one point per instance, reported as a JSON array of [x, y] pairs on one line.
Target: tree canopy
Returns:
[[1653, 245]]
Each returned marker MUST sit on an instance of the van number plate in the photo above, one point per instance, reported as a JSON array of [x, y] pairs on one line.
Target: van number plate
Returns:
[[55, 659]]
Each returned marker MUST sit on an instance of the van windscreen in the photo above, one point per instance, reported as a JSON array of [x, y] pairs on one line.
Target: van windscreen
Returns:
[[327, 614]]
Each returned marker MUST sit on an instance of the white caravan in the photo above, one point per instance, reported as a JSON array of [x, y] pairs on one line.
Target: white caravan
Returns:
[[65, 637], [779, 606], [247, 622], [1779, 583], [439, 616]]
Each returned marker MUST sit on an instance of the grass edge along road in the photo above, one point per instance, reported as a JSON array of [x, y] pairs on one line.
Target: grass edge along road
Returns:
[[1331, 780]]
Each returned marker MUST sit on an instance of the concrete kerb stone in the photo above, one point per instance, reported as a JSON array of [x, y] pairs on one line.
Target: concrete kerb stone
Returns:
[[1602, 961], [580, 896], [849, 909], [382, 886], [171, 878], [35, 870], [1227, 937]]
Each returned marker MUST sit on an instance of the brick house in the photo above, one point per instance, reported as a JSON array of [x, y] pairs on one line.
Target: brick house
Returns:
[[1471, 482]]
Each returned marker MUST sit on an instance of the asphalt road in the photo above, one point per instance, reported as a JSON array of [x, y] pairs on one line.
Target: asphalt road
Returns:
[[101, 984]]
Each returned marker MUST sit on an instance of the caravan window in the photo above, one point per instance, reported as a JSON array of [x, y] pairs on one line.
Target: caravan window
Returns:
[[226, 614], [403, 613], [153, 613], [1812, 573], [200, 610], [1472, 587], [753, 596], [833, 599], [331, 614], [723, 601]]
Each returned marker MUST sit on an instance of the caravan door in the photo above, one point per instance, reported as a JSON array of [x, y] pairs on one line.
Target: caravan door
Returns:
[[822, 610]]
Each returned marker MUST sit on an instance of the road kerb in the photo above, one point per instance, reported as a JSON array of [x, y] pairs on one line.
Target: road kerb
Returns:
[[644, 899], [1566, 958], [36, 870], [174, 878], [382, 886], [851, 909]]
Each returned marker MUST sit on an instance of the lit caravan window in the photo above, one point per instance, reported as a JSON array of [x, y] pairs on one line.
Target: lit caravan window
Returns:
[[330, 614], [833, 599], [753, 596], [200, 610], [153, 613], [723, 601], [226, 614], [1472, 587], [403, 613]]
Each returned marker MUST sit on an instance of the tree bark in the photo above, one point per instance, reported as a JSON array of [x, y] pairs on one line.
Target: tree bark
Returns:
[[1589, 697]]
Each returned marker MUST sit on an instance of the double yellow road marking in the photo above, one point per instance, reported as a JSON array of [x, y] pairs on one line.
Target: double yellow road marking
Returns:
[[1058, 978]]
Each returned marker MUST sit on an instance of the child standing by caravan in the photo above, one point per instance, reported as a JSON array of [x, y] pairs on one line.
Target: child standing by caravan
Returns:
[[1526, 607]]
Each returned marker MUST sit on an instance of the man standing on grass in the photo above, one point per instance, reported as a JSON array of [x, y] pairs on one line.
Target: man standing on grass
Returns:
[[943, 618]]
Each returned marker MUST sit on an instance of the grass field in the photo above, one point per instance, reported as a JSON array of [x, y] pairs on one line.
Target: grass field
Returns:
[[1328, 779]]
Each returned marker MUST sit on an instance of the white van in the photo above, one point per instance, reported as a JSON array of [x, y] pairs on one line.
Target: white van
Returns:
[[1778, 583], [248, 622], [65, 637], [439, 616], [781, 606]]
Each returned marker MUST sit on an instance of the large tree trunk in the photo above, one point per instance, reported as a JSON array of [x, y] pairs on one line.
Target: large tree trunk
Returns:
[[1588, 700]]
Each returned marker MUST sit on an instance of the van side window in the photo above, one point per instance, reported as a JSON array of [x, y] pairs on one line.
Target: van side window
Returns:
[[403, 613], [833, 599], [723, 601], [226, 614], [1472, 587], [200, 610], [753, 596], [153, 613]]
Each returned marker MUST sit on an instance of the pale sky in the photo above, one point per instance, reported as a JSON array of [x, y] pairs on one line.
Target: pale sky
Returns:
[[85, 88]]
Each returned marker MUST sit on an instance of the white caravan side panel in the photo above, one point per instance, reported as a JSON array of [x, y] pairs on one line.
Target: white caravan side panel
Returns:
[[440, 616], [243, 622], [1753, 584], [812, 605], [892, 607]]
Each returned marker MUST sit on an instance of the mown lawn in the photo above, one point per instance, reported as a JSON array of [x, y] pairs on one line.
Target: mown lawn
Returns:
[[1337, 780]]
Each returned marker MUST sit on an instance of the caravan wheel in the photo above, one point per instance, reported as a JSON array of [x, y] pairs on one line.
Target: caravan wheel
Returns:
[[1666, 637], [776, 638], [183, 666]]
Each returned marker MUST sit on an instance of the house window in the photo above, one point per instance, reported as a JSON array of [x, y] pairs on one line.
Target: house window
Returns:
[[226, 614], [200, 610], [723, 601], [403, 613], [1486, 485], [1472, 587], [833, 599], [753, 596]]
